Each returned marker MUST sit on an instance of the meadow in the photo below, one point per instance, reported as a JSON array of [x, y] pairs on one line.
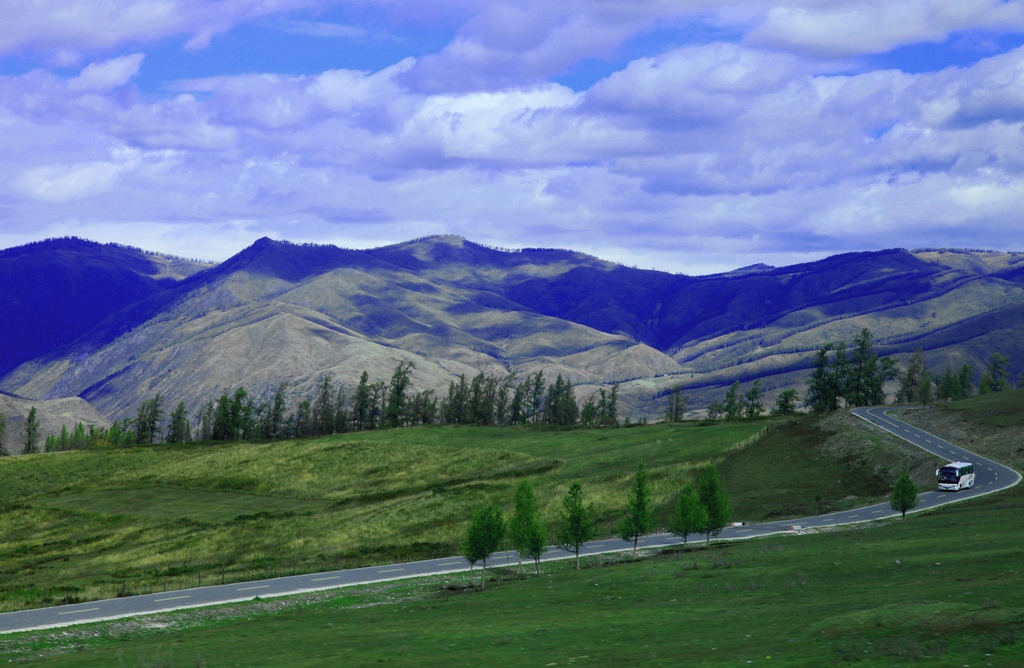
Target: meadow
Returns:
[[91, 524], [905, 593], [85, 525], [939, 588]]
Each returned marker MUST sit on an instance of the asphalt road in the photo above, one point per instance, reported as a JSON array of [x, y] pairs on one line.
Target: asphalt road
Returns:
[[990, 477]]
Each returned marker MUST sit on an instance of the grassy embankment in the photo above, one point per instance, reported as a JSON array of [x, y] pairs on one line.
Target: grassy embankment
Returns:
[[84, 525], [941, 588]]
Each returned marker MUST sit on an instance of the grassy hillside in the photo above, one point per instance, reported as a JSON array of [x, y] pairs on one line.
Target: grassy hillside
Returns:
[[90, 522], [900, 593]]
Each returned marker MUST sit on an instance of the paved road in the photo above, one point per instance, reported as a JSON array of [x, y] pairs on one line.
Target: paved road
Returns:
[[990, 477]]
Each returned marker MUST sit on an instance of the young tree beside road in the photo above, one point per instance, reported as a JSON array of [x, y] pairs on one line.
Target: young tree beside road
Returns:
[[714, 501], [904, 495], [525, 528], [486, 531], [690, 516], [577, 522], [639, 519]]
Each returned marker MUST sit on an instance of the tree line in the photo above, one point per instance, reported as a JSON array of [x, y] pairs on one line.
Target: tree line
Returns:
[[842, 375], [855, 375], [485, 399], [701, 508]]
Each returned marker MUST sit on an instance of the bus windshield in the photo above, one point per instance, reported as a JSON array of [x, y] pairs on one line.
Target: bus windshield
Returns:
[[948, 475]]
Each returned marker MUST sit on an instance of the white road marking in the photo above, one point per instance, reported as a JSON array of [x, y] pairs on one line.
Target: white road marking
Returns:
[[78, 612], [450, 563], [170, 598], [391, 570], [330, 577], [248, 588]]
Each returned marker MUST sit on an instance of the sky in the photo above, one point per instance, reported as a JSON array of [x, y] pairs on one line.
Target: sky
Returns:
[[691, 136]]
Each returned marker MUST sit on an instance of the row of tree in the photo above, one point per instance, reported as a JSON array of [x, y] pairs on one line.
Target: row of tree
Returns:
[[850, 375], [702, 507], [854, 375], [237, 415]]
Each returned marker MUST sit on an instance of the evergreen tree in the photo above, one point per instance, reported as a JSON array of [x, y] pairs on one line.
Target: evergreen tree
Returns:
[[577, 525], [904, 495], [785, 403], [395, 408], [588, 415], [504, 397], [997, 371], [560, 408], [3, 434], [714, 500], [179, 430], [676, 405], [274, 427], [867, 375], [518, 409], [949, 385], [485, 533], [206, 420], [752, 406], [323, 407], [361, 404], [924, 388], [525, 528], [147, 420], [31, 432], [242, 410], [340, 411], [482, 397], [910, 379], [733, 404], [303, 422], [613, 406], [821, 386], [536, 393], [79, 439], [690, 517], [639, 517], [378, 395], [966, 376], [455, 407], [223, 425]]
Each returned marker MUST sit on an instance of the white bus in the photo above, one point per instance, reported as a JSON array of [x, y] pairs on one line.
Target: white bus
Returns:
[[955, 476]]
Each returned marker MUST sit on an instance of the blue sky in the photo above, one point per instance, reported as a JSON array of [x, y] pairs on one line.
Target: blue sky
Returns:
[[691, 136]]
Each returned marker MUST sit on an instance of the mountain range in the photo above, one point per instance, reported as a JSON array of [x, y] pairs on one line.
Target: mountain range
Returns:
[[114, 325]]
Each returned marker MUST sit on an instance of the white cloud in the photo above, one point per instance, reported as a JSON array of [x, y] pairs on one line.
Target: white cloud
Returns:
[[679, 157], [848, 28], [108, 74], [65, 183], [69, 27]]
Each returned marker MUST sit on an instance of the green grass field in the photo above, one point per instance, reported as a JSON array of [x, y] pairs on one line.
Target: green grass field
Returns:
[[940, 588], [906, 593], [86, 524], [89, 524]]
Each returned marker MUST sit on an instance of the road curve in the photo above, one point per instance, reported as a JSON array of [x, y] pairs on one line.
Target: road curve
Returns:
[[990, 476]]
